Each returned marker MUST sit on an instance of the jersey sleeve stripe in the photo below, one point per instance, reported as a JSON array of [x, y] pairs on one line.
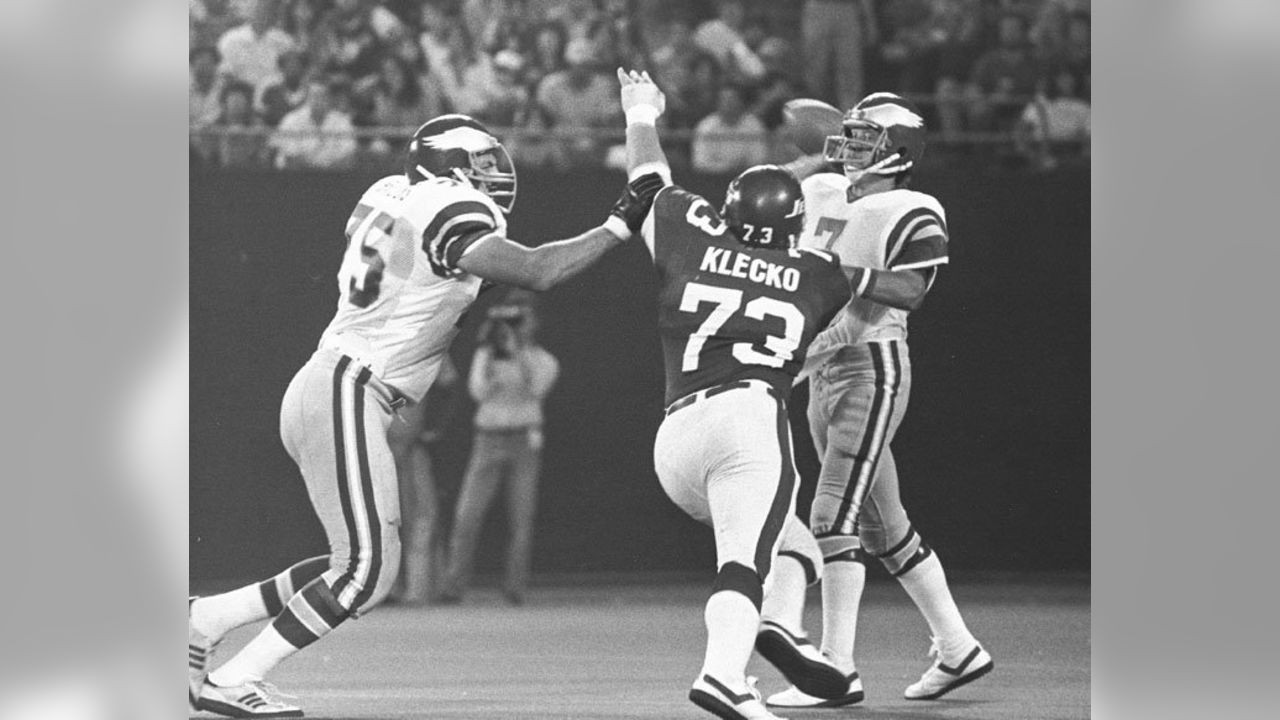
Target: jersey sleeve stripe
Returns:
[[905, 226], [437, 233], [926, 251], [463, 237]]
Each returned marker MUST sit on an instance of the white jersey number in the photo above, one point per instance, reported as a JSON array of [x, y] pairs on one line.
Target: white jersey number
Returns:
[[728, 301], [360, 276]]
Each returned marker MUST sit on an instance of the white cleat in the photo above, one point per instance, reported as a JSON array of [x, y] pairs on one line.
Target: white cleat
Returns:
[[794, 697], [251, 700], [199, 652], [942, 678], [802, 664], [716, 698]]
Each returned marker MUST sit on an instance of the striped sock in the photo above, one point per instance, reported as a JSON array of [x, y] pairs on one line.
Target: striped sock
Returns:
[[217, 615], [310, 615]]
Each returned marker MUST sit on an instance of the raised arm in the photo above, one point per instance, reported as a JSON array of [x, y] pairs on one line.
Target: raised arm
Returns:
[[643, 103]]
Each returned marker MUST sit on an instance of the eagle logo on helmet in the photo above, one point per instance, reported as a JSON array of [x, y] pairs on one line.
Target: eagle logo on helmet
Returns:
[[459, 147], [882, 135]]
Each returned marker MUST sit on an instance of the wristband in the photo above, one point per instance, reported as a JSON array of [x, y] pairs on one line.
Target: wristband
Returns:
[[642, 115], [862, 282], [618, 227]]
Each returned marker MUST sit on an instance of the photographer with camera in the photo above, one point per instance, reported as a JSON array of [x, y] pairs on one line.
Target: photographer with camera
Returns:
[[510, 376]]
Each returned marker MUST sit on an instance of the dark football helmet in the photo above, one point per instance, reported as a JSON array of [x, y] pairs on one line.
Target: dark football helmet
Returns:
[[459, 147], [880, 126], [764, 207]]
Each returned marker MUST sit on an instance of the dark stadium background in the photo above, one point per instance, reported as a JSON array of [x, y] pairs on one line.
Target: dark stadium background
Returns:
[[993, 454]]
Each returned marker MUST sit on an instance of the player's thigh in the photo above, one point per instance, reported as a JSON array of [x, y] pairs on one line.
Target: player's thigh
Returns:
[[680, 458], [751, 489]]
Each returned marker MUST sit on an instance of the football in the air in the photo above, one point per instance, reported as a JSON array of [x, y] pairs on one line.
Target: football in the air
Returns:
[[806, 123]]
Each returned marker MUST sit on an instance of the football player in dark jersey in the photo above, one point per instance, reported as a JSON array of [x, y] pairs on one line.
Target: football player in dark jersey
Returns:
[[738, 306]]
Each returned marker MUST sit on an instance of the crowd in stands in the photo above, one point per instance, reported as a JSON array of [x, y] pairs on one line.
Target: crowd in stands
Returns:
[[292, 83]]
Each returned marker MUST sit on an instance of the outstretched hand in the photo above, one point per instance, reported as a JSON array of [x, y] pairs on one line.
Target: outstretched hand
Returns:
[[638, 89]]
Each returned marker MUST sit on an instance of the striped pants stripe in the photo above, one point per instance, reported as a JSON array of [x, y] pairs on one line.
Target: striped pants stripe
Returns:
[[855, 405], [334, 425]]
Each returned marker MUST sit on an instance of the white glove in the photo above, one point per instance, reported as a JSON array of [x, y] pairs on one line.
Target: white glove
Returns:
[[641, 98]]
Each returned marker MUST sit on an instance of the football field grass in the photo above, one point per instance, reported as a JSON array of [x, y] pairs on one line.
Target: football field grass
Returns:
[[631, 651]]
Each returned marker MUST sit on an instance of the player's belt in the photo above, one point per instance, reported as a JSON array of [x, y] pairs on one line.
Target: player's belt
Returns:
[[370, 379], [692, 398]]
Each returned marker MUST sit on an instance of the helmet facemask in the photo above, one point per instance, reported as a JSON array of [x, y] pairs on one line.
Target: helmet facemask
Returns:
[[494, 174]]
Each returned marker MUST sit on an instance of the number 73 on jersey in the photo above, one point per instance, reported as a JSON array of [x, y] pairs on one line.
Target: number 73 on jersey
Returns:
[[725, 303]]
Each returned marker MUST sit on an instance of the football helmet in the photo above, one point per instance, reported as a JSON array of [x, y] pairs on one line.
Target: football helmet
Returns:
[[459, 147], [764, 207], [883, 134]]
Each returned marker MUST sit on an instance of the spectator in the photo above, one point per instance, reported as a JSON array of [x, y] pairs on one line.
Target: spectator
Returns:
[[205, 91], [549, 41], [400, 99], [347, 44], [241, 143], [506, 102], [675, 51], [576, 99], [730, 139], [721, 37], [618, 31], [929, 39], [302, 23], [837, 34], [204, 99], [695, 95], [208, 20], [1055, 117], [466, 75], [287, 91], [318, 134], [779, 85], [509, 378], [251, 52], [1003, 78]]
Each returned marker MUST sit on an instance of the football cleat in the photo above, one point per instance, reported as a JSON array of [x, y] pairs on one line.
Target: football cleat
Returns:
[[199, 653], [794, 697], [941, 678], [256, 699], [802, 664], [716, 698]]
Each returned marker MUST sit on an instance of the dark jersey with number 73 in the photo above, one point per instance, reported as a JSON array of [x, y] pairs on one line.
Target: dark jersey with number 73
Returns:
[[730, 312]]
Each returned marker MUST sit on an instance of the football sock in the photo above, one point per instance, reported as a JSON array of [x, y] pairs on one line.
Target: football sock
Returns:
[[255, 660], [732, 621], [842, 585], [784, 596], [216, 615], [926, 583]]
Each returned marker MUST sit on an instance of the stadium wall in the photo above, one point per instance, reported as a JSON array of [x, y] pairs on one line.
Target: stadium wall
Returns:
[[993, 454]]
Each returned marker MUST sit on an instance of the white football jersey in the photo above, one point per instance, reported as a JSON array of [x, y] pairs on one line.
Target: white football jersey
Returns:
[[401, 294], [894, 230]]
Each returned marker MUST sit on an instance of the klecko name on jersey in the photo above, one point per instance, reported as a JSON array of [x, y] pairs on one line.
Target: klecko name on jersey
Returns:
[[740, 265]]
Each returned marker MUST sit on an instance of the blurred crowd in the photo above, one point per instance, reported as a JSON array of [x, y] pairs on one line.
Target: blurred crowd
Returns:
[[340, 83]]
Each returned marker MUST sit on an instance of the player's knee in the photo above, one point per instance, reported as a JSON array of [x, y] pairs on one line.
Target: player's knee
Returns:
[[736, 577], [798, 545], [839, 547], [907, 552]]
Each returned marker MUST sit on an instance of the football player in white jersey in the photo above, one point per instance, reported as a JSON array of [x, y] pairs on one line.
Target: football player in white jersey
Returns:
[[891, 241], [419, 246]]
